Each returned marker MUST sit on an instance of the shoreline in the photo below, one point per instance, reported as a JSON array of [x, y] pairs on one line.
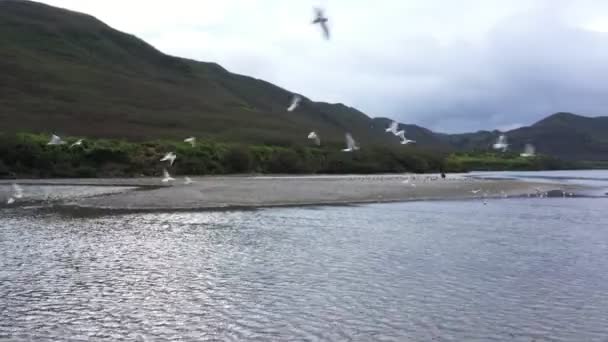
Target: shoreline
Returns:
[[217, 193]]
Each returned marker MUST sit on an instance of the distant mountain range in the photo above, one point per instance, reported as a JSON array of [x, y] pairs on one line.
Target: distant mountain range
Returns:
[[69, 73]]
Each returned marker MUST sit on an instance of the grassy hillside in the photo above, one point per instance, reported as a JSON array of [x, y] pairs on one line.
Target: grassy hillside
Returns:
[[69, 73]]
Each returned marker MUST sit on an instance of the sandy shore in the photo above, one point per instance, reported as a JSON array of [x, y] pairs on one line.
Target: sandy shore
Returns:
[[264, 191]]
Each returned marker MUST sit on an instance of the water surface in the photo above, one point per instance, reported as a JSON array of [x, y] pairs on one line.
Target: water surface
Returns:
[[512, 270]]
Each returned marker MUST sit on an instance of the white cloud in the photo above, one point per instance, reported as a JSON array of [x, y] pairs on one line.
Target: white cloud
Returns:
[[449, 65]]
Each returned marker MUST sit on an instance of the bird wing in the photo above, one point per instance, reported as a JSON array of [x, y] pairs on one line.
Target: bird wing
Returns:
[[18, 191], [350, 142], [393, 127], [325, 29]]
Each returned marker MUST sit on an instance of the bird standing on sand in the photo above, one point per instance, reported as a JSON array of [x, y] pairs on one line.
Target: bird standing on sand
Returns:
[[321, 20], [170, 157], [501, 143], [55, 140], [167, 177], [315, 137], [351, 145], [77, 143], [295, 102], [191, 141]]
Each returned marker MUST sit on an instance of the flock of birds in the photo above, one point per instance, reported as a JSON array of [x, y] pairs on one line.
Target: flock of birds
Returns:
[[351, 145], [502, 145]]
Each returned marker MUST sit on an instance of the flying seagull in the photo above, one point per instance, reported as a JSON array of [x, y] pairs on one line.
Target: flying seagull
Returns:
[[321, 20], [351, 145], [55, 140], [295, 101], [188, 180], [404, 140], [314, 136], [17, 193], [529, 151], [167, 177], [170, 157], [501, 143], [475, 191], [191, 141], [393, 128], [77, 143]]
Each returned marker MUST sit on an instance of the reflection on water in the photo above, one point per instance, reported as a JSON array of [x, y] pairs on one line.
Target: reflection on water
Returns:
[[519, 270]]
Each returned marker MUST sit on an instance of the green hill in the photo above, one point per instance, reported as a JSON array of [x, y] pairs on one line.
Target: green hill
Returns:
[[563, 135], [70, 73]]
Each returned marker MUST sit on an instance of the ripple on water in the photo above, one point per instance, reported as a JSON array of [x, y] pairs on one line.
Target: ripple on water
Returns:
[[450, 271]]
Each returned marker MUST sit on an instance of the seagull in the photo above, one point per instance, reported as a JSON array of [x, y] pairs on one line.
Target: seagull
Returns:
[[501, 143], [55, 140], [404, 140], [351, 145], [321, 20], [314, 136], [191, 141], [17, 191], [295, 101], [393, 128], [167, 177], [77, 143], [170, 157], [529, 151], [188, 180], [475, 191]]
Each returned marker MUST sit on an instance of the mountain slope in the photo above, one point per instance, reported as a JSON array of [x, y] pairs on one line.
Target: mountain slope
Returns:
[[567, 136], [70, 73]]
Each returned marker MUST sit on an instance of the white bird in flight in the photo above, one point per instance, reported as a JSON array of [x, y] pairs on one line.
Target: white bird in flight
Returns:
[[167, 177], [170, 157], [321, 20], [351, 145], [529, 151], [55, 140], [77, 143], [17, 193], [393, 128], [404, 140], [501, 143], [475, 191], [188, 180], [315, 137], [191, 141], [295, 102]]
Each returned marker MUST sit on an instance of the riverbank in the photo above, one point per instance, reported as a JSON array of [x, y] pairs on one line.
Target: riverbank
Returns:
[[264, 191]]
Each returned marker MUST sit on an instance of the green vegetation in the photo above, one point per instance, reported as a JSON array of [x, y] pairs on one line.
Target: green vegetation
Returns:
[[71, 74], [492, 161], [27, 155]]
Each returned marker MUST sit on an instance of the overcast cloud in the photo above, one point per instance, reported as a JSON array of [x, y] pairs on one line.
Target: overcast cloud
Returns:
[[447, 65]]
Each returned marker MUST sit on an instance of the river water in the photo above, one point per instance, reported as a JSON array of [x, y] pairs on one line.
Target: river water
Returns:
[[526, 269]]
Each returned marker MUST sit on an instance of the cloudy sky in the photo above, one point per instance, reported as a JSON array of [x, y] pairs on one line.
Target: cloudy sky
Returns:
[[451, 66]]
